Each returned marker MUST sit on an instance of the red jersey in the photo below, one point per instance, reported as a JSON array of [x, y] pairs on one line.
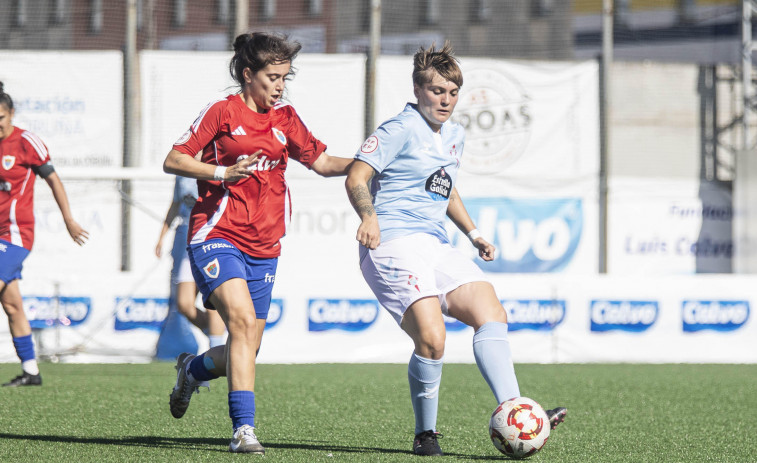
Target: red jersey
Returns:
[[252, 213], [20, 153]]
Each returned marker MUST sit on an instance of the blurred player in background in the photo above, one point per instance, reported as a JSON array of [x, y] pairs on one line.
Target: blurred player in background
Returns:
[[242, 212], [23, 156], [183, 285], [411, 163]]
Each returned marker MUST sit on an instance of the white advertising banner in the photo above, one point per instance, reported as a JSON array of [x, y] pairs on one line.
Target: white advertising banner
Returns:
[[523, 119], [176, 86], [668, 227], [72, 100], [532, 193]]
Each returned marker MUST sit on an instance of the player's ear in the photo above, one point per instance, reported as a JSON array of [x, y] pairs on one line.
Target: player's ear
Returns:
[[416, 91], [248, 75]]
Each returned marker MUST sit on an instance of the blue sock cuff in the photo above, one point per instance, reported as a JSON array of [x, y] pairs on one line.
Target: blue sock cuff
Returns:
[[199, 367], [24, 347], [242, 408], [491, 330], [424, 369]]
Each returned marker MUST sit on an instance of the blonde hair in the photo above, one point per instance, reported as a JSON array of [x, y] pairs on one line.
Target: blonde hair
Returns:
[[425, 61]]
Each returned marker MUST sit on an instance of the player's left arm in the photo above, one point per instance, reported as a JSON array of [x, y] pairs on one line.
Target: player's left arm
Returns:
[[459, 215], [331, 166], [78, 234]]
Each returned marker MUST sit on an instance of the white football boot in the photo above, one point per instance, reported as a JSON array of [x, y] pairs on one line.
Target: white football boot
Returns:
[[245, 441], [185, 386]]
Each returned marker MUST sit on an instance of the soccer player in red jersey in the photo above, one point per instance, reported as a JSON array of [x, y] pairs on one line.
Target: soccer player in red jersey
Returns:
[[246, 141], [23, 156]]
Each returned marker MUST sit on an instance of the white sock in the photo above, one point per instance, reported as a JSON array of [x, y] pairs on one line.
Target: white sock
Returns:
[[216, 340], [31, 367]]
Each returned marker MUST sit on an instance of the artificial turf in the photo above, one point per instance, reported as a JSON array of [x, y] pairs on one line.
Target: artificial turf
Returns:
[[362, 413]]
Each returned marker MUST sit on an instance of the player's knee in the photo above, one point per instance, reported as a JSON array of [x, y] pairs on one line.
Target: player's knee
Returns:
[[13, 309], [186, 308], [431, 345], [241, 323], [497, 314]]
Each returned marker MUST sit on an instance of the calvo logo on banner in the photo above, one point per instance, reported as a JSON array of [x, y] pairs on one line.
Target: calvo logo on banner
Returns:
[[341, 314], [531, 235], [48, 311]]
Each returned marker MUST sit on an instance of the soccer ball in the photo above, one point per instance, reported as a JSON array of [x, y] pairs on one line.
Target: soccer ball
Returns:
[[519, 427]]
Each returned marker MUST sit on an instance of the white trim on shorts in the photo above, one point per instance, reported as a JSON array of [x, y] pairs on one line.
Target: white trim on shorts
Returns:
[[408, 268], [182, 271]]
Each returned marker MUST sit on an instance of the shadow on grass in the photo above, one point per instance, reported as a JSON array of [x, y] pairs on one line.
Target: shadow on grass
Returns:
[[189, 443], [218, 445], [320, 446]]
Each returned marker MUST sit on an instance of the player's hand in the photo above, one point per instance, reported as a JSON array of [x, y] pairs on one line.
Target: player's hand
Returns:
[[485, 249], [78, 234], [368, 233], [241, 169], [159, 248]]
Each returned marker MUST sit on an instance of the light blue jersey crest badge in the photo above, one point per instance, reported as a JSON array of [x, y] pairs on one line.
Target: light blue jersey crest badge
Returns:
[[212, 268], [280, 136]]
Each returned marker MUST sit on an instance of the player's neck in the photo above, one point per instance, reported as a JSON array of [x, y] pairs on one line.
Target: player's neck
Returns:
[[249, 101], [10, 132]]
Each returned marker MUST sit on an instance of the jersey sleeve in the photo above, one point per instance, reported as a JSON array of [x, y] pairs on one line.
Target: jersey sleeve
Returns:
[[208, 124], [383, 146], [301, 144], [177, 190], [186, 187], [36, 151]]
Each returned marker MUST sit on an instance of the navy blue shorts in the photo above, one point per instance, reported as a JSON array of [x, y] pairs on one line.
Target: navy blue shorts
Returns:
[[11, 261], [216, 261]]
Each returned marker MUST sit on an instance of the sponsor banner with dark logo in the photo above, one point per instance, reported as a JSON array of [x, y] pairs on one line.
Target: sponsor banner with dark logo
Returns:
[[341, 314], [632, 316], [47, 311], [714, 315], [140, 312], [534, 314]]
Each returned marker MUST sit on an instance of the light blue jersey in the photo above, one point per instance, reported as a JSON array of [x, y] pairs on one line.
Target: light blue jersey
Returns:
[[416, 171], [185, 193]]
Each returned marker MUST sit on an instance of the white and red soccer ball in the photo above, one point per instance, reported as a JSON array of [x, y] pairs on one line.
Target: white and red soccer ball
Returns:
[[519, 427]]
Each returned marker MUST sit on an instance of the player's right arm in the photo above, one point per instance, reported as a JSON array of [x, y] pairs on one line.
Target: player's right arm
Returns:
[[185, 165], [368, 233], [180, 160]]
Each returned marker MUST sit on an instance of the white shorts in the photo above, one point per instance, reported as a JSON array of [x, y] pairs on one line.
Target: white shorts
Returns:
[[182, 271], [412, 267]]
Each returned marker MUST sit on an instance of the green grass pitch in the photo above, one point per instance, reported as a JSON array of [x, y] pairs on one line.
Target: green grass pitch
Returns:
[[361, 413]]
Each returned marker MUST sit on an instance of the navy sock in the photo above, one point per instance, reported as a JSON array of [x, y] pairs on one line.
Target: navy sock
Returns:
[[200, 368], [242, 408], [24, 347]]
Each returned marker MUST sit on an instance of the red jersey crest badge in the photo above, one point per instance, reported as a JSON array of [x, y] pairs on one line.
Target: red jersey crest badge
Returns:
[[212, 269], [280, 136], [8, 161]]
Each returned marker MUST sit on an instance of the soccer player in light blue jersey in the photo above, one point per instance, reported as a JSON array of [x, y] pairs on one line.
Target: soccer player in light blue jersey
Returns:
[[183, 287], [402, 185]]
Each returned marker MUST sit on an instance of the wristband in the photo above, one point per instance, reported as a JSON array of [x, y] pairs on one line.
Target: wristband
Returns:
[[220, 173], [473, 234]]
